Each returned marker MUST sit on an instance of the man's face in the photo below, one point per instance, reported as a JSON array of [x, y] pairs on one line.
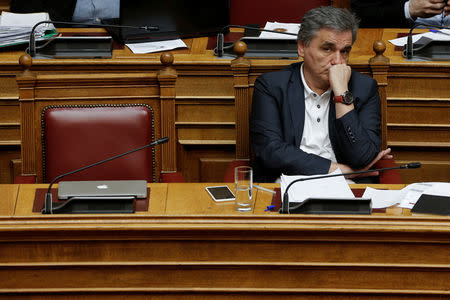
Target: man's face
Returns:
[[326, 49]]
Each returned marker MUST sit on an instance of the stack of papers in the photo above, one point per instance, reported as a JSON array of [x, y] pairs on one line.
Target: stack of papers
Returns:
[[439, 35], [281, 27], [331, 187], [16, 28]]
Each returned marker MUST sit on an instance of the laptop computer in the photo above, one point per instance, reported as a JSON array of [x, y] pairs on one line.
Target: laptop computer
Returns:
[[103, 188]]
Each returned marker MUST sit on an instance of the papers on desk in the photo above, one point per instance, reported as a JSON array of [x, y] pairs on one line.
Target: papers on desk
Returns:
[[442, 35], [16, 28], [408, 196], [331, 187], [413, 192], [282, 27], [150, 47]]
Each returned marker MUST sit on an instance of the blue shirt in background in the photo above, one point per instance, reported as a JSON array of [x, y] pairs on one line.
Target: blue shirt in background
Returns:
[[93, 11]]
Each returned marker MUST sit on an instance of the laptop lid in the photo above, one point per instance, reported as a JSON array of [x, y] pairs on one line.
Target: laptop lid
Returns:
[[102, 188]]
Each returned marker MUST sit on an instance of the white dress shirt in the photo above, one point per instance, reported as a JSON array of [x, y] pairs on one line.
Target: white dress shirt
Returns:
[[316, 138]]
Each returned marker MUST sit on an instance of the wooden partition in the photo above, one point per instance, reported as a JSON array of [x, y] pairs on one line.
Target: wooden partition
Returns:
[[39, 91]]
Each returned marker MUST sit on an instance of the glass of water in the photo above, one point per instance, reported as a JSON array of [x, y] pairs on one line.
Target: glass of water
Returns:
[[243, 180]]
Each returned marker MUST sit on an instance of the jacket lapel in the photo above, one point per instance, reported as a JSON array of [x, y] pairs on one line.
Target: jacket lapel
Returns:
[[296, 102]]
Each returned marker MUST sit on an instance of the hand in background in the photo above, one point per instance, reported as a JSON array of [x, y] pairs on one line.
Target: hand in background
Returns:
[[426, 8], [447, 8]]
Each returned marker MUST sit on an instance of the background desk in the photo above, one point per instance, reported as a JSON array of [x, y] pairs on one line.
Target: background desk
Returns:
[[418, 104], [188, 247]]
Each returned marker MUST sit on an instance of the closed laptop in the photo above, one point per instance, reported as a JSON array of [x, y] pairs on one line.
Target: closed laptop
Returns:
[[103, 188]]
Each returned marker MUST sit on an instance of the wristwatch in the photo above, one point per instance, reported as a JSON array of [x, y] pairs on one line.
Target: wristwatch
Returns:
[[346, 98]]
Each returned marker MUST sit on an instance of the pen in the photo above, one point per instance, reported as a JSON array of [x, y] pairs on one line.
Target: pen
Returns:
[[438, 31], [263, 189]]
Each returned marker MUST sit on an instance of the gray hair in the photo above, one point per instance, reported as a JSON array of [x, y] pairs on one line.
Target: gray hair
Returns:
[[329, 17]]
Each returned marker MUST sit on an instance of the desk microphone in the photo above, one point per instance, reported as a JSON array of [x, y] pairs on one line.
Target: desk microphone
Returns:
[[409, 43], [48, 208], [32, 43], [285, 203], [219, 50]]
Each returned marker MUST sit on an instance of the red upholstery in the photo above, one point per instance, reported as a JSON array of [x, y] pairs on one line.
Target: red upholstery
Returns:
[[20, 179], [386, 177], [391, 176], [286, 11], [78, 136]]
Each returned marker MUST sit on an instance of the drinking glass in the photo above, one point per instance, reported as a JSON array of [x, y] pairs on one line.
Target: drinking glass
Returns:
[[243, 180]]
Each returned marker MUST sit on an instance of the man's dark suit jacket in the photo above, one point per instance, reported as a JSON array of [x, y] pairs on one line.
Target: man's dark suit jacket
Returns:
[[277, 120], [59, 10], [381, 13]]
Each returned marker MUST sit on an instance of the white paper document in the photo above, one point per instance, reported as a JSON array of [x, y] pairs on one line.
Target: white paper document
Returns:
[[382, 198], [150, 47], [16, 28], [442, 35], [331, 187], [282, 27], [412, 192]]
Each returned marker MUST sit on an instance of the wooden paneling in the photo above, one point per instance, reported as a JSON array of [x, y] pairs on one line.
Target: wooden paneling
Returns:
[[186, 246], [4, 5], [205, 114]]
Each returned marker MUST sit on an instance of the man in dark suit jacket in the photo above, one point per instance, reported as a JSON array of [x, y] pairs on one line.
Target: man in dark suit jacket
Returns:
[[401, 13], [286, 135], [85, 11], [59, 10]]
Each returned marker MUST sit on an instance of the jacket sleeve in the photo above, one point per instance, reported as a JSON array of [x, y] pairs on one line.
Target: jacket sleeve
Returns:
[[359, 131], [273, 136]]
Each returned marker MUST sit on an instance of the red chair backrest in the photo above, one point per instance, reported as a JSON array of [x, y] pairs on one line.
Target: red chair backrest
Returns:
[[76, 136]]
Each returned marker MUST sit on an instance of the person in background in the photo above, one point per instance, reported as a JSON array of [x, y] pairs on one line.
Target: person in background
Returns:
[[319, 115], [402, 14], [83, 11]]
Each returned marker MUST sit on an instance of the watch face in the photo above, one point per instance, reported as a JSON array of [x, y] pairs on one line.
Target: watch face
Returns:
[[347, 98]]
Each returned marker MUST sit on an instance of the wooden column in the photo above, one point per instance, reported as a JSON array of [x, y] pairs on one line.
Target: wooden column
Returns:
[[379, 65], [26, 82], [167, 78], [241, 67]]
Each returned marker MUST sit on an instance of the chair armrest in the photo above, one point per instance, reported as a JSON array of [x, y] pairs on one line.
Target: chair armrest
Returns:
[[388, 177], [172, 177], [19, 179]]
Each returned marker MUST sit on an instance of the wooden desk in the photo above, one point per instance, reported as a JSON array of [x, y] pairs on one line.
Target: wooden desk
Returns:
[[418, 104], [188, 247]]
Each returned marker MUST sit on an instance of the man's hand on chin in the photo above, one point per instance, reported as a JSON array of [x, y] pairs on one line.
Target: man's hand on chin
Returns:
[[339, 77]]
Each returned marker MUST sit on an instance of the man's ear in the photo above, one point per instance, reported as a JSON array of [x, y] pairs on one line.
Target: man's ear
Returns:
[[300, 49]]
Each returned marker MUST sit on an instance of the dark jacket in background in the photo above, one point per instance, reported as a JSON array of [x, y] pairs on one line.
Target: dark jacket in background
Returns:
[[381, 13], [59, 10]]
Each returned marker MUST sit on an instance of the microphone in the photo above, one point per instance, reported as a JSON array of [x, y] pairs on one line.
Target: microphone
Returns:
[[48, 207], [32, 43], [409, 52], [285, 202], [219, 50]]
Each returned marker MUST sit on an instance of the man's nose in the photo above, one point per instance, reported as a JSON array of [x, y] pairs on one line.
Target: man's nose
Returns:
[[337, 58]]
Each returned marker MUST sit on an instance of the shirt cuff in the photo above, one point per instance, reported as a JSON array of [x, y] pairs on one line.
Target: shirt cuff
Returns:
[[406, 11]]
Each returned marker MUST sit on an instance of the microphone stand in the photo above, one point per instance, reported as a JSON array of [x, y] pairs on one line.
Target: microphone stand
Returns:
[[285, 200], [219, 50], [409, 49], [32, 42], [48, 207]]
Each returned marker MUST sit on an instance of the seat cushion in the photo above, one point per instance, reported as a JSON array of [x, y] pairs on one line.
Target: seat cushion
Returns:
[[76, 136]]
